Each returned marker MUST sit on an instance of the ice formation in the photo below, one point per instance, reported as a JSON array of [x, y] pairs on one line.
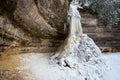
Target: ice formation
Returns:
[[79, 51]]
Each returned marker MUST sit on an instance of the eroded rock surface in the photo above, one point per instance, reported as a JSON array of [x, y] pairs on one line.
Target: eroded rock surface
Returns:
[[31, 20]]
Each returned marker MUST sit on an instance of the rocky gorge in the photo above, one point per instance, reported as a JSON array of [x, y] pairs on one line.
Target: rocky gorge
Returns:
[[42, 23]]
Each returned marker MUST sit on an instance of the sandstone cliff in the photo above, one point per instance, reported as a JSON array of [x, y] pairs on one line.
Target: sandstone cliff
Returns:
[[31, 23]]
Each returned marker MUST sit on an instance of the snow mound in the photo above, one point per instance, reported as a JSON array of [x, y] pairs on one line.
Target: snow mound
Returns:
[[82, 55]]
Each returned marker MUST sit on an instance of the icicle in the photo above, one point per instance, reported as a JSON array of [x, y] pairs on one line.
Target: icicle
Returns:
[[65, 27]]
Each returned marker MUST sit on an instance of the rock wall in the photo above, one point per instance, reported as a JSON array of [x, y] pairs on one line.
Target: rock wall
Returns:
[[40, 23], [107, 38], [31, 21]]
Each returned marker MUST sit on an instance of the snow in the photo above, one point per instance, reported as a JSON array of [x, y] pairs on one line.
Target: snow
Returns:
[[40, 68], [114, 62], [82, 53]]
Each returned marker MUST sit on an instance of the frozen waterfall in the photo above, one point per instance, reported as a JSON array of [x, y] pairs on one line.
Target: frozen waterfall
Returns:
[[79, 51]]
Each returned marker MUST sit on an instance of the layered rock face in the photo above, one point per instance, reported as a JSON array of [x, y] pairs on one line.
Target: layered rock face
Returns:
[[107, 38], [40, 23], [29, 21]]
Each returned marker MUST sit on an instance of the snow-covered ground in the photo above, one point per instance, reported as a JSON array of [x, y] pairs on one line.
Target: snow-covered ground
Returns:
[[40, 69], [114, 62], [36, 66]]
